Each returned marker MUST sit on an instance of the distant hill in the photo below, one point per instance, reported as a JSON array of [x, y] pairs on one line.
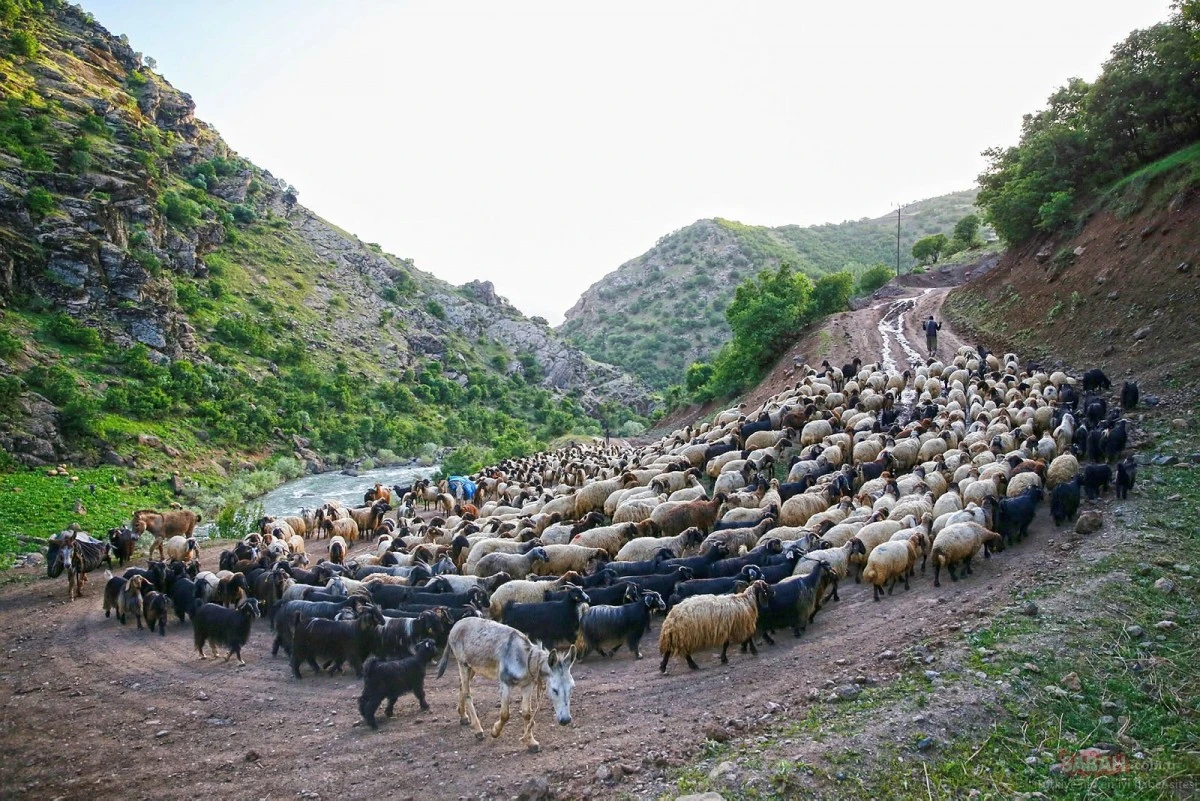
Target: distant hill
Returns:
[[656, 314]]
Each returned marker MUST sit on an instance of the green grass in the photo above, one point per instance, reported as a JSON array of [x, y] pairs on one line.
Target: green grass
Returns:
[[39, 505], [1188, 156]]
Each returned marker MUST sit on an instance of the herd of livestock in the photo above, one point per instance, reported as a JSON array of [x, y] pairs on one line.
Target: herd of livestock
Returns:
[[733, 531]]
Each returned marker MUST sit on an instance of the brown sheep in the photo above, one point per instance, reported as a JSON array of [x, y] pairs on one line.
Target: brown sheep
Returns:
[[676, 518]]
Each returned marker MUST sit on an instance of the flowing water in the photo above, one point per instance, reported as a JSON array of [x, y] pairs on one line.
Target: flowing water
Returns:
[[313, 490]]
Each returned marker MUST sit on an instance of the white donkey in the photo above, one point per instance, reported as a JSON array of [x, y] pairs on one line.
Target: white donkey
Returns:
[[496, 651]]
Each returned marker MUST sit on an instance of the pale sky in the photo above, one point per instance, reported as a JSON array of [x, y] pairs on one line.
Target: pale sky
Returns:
[[542, 144]]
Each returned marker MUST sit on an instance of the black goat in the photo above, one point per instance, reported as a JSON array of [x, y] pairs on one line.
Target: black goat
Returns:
[[215, 624], [475, 596], [1116, 440], [716, 586], [1095, 379], [401, 633], [1014, 515], [335, 641], [616, 625], [154, 609], [548, 622], [1130, 395], [663, 583], [620, 593], [1095, 444], [756, 556], [1064, 501], [182, 591], [283, 621], [124, 543], [1126, 476], [1096, 478], [394, 678], [795, 602], [642, 568], [699, 565]]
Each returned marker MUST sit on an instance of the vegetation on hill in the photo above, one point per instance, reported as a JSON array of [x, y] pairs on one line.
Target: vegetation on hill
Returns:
[[155, 287], [1144, 105], [664, 310]]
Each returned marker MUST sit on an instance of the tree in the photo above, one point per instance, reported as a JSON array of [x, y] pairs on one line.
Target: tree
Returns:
[[768, 311], [832, 292], [930, 249], [698, 374], [874, 278], [966, 232]]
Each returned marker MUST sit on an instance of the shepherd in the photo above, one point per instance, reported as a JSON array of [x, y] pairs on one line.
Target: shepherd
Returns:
[[931, 329]]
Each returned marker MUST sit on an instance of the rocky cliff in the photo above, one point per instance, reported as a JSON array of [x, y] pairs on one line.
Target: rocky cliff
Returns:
[[123, 211]]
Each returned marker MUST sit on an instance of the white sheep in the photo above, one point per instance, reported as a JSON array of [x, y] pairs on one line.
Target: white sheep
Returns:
[[706, 621], [957, 544], [890, 561]]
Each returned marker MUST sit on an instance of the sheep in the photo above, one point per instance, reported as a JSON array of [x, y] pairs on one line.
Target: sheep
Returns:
[[838, 560], [1126, 476], [672, 519], [957, 544], [514, 564], [230, 627], [525, 591], [1014, 515], [1062, 469], [492, 544], [129, 600], [337, 545], [549, 622], [644, 548], [612, 626], [737, 538], [463, 583], [635, 510], [705, 621], [391, 679], [561, 558], [1021, 483], [610, 538], [798, 509], [892, 560]]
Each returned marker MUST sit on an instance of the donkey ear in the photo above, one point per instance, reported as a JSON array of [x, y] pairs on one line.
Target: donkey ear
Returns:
[[553, 660], [570, 657]]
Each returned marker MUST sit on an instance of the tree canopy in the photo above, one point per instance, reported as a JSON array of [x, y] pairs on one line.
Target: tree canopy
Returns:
[[930, 248], [1144, 105]]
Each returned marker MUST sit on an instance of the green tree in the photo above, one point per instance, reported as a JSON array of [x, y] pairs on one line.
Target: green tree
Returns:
[[24, 44], [832, 292], [874, 278], [698, 374], [966, 233], [930, 248], [768, 311]]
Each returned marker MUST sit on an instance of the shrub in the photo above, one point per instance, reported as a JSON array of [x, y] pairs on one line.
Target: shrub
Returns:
[[463, 461], [874, 278], [78, 417], [235, 520], [67, 331], [435, 308], [386, 457], [23, 43], [178, 209], [288, 467], [244, 213], [238, 332], [39, 201], [9, 345], [832, 292]]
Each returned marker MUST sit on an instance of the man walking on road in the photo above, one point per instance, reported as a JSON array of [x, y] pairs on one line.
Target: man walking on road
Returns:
[[931, 329]]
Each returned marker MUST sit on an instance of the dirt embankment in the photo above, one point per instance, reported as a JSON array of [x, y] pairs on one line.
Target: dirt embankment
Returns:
[[1121, 295]]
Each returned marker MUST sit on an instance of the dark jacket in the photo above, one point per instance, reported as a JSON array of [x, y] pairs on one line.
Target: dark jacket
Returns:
[[931, 328]]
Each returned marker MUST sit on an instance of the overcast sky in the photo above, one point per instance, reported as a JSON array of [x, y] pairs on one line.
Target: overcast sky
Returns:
[[542, 144]]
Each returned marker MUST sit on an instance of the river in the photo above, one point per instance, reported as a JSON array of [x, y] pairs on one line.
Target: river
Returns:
[[313, 490]]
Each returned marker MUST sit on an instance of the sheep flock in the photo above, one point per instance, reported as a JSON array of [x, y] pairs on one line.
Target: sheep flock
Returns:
[[728, 531]]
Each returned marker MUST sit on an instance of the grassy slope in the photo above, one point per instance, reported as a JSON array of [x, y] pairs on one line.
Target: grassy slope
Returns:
[[659, 312]]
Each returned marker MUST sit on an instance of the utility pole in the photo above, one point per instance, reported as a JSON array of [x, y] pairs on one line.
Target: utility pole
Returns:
[[899, 208]]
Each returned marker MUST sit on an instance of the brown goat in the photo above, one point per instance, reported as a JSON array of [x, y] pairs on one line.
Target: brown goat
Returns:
[[700, 514]]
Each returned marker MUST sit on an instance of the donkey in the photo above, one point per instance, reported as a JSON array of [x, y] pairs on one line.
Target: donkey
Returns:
[[497, 651], [78, 555]]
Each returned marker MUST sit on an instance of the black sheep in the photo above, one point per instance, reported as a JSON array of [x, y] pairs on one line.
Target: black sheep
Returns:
[[214, 624], [1126, 475], [617, 625], [393, 678], [1096, 478], [1064, 501], [1129, 395], [548, 622], [1095, 379], [663, 583]]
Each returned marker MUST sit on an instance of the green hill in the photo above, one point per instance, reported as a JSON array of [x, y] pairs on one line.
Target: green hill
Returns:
[[656, 314], [166, 304]]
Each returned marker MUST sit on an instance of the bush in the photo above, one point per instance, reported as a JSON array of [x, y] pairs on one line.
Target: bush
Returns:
[[236, 521], [178, 209], [386, 457], [244, 213], [435, 308], [463, 461], [10, 390], [24, 44], [9, 345], [874, 278], [39, 201], [66, 330], [288, 467], [832, 292]]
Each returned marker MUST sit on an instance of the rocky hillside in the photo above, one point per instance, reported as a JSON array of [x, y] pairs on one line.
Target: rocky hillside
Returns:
[[152, 278], [1120, 291], [656, 314]]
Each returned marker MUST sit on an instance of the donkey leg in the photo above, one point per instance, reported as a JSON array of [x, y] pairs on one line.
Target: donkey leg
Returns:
[[465, 675], [505, 692], [527, 714]]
